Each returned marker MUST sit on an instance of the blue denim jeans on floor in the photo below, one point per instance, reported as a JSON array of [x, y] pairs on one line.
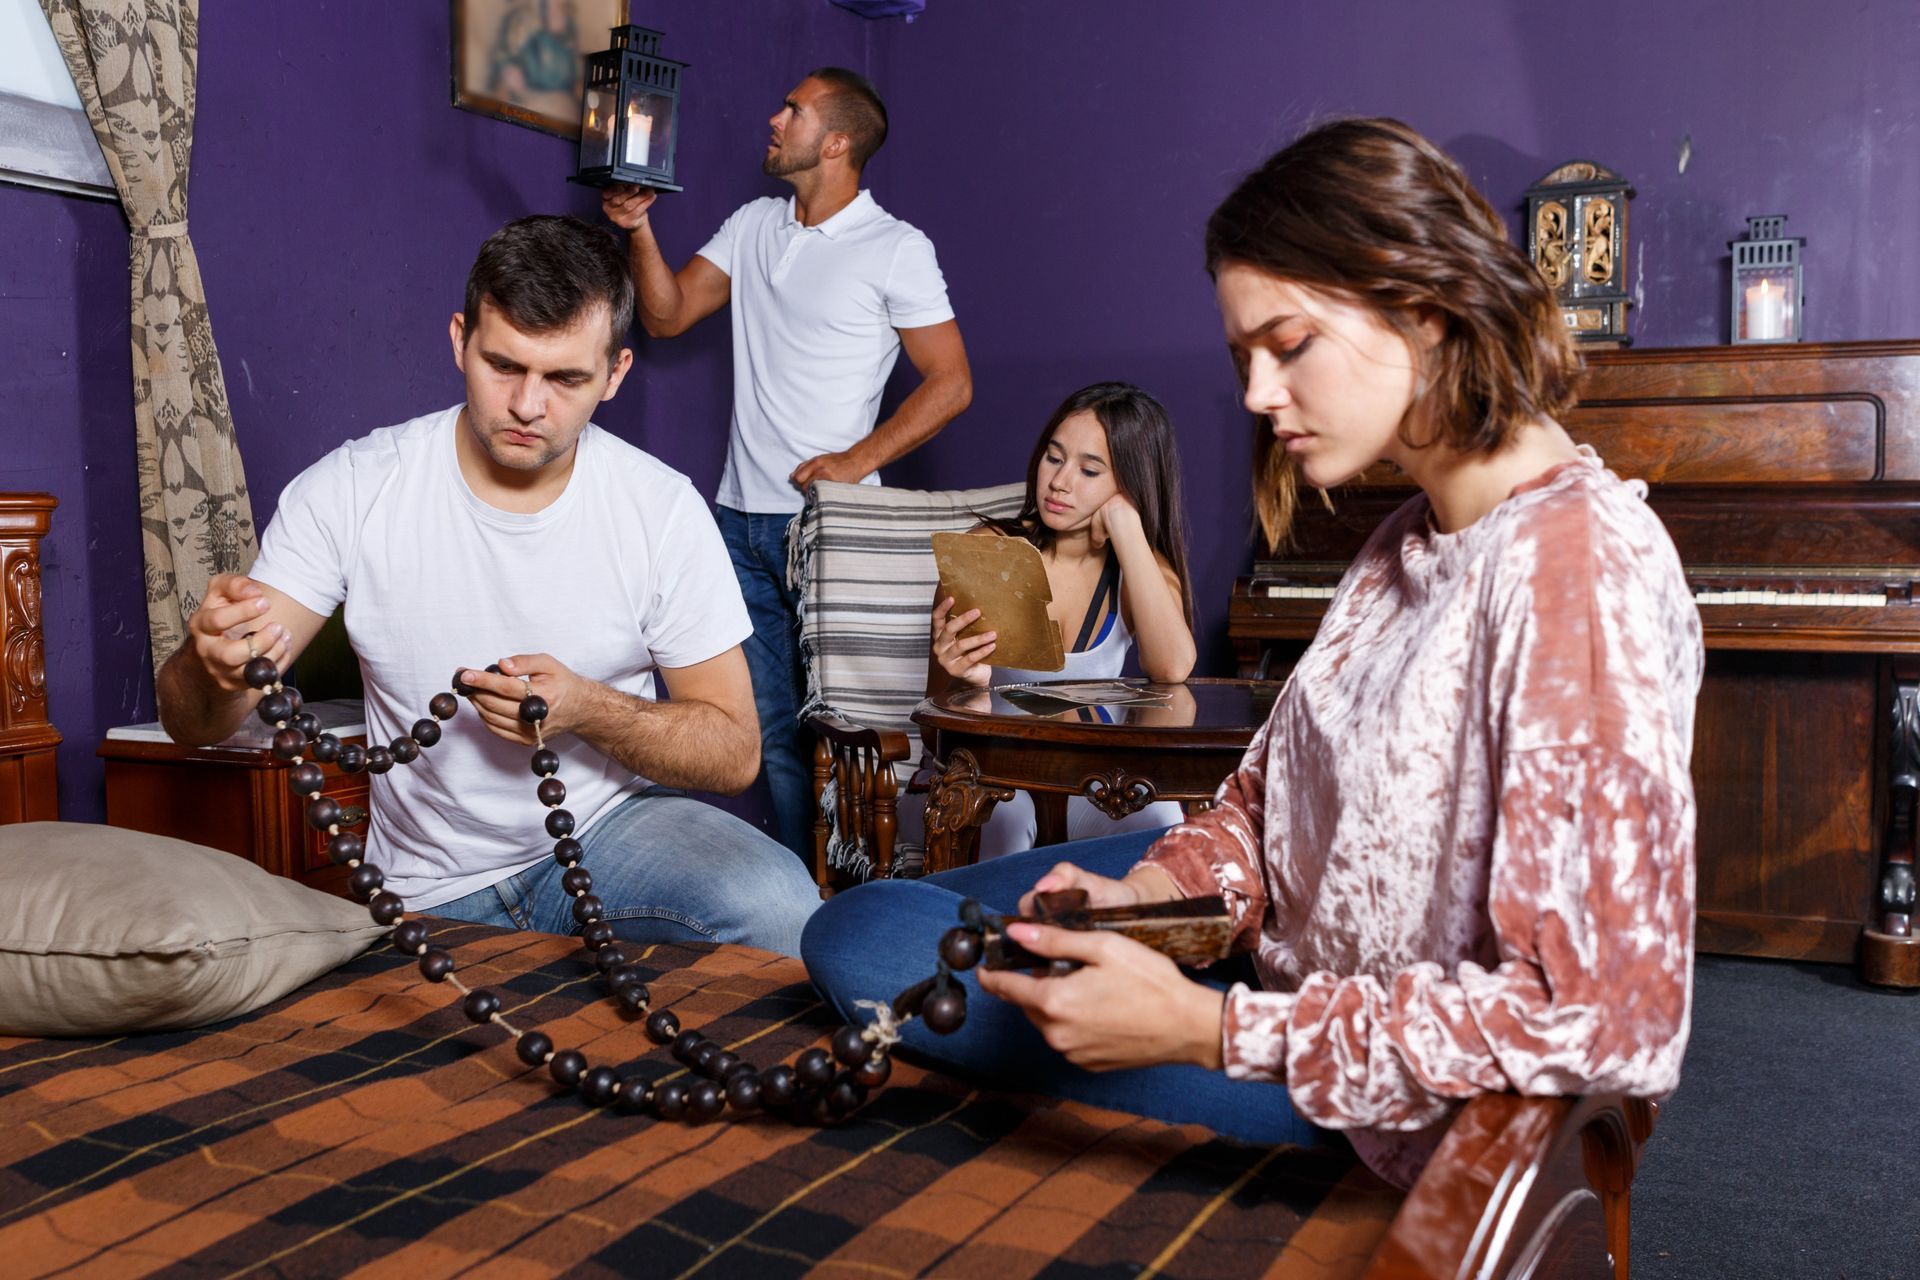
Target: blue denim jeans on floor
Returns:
[[872, 942], [669, 869], [758, 546]]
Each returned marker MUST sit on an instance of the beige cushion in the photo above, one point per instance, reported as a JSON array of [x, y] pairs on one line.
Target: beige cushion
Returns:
[[104, 931]]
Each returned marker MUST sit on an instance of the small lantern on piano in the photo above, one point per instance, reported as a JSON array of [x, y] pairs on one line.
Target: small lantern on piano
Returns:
[[630, 113], [1768, 292], [1577, 238]]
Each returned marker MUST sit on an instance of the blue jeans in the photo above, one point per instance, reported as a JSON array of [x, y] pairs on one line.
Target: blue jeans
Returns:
[[669, 869], [872, 942], [758, 546]]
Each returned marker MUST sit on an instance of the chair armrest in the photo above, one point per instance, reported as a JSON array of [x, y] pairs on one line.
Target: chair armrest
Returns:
[[890, 744], [1522, 1187]]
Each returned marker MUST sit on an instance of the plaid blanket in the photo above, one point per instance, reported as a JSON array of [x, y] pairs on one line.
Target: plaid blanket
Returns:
[[362, 1122]]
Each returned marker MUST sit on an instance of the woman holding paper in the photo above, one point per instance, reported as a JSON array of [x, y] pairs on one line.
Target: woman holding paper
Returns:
[[1103, 508], [1460, 853]]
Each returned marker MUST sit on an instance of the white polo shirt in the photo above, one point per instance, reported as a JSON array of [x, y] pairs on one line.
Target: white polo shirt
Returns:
[[815, 311]]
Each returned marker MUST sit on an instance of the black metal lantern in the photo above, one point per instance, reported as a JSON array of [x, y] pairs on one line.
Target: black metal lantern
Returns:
[[1768, 290], [1577, 237], [630, 113]]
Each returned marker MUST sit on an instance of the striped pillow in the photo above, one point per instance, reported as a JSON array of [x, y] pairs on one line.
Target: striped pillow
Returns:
[[861, 559]]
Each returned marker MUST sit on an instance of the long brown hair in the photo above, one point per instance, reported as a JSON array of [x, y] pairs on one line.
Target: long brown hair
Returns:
[[1146, 468], [1371, 212]]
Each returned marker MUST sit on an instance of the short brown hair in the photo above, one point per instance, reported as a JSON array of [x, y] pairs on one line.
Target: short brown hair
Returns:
[[853, 107], [546, 271], [1373, 213]]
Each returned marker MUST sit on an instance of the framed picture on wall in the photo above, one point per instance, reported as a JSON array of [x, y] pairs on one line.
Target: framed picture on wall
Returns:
[[520, 60]]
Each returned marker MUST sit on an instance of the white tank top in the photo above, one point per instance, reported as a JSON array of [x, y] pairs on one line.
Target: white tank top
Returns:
[[1102, 660]]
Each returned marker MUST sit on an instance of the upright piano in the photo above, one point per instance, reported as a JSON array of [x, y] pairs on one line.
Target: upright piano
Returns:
[[1789, 477]]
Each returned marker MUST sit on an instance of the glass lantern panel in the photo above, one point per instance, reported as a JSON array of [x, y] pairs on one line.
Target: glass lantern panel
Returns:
[[1767, 303], [649, 136], [596, 128]]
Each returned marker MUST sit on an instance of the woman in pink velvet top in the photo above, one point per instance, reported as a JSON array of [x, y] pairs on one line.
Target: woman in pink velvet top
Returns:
[[1460, 853]]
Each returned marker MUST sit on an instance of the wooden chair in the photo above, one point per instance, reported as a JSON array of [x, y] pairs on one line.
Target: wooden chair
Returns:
[[862, 561]]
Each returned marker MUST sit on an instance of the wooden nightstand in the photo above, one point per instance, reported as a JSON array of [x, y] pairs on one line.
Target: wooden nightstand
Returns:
[[232, 796]]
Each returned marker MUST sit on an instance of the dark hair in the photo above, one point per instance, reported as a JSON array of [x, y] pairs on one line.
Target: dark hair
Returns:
[[545, 272], [1146, 467], [853, 108], [1370, 211]]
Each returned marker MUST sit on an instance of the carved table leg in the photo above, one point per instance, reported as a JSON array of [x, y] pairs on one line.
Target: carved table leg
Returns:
[[1049, 818], [1889, 951], [958, 803]]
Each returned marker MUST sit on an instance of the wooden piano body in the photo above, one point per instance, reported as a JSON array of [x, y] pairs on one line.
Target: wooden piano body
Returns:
[[1789, 478]]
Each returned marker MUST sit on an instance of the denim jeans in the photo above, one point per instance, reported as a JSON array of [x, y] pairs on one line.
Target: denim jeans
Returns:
[[758, 546], [669, 869], [872, 942]]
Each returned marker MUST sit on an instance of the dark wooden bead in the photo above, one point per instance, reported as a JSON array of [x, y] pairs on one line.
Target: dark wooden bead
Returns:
[[596, 935], [409, 936], [386, 907], [777, 1086], [458, 685], [274, 708], [293, 696], [444, 706], [479, 1005], [260, 673], [567, 1067], [670, 1100], [345, 847], [633, 997], [322, 812], [576, 881], [425, 732], [436, 965], [533, 1048], [684, 1044], [587, 909], [960, 948], [546, 762], [636, 1096], [850, 1046], [844, 1097], [813, 1069], [379, 760], [706, 1100], [662, 1026], [493, 669], [599, 1085], [559, 823], [353, 757], [944, 1011], [743, 1091], [607, 959], [306, 778], [872, 1073], [405, 750], [365, 882], [568, 851], [628, 975], [533, 708], [326, 748], [703, 1055], [304, 723], [288, 743], [551, 791], [722, 1065]]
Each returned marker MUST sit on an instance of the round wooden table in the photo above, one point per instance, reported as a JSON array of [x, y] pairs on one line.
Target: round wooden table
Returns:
[[988, 743]]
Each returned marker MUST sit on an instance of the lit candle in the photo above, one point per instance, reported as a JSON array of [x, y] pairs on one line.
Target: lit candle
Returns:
[[639, 136], [1766, 312]]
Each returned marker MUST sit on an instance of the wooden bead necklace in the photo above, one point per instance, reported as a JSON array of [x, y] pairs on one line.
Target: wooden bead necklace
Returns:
[[811, 1089]]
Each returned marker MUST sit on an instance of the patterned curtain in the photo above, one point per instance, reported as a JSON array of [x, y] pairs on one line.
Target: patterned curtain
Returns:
[[135, 65]]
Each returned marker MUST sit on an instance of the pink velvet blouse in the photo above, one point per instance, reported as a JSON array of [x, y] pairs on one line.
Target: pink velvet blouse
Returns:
[[1461, 848]]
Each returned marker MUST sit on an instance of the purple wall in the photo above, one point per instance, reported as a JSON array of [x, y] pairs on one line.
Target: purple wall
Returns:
[[1063, 157]]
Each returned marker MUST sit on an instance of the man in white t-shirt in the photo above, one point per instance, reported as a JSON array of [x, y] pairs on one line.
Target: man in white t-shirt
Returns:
[[511, 531], [827, 289]]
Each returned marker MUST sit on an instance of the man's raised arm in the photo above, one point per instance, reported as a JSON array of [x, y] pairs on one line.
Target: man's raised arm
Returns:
[[670, 302], [202, 692]]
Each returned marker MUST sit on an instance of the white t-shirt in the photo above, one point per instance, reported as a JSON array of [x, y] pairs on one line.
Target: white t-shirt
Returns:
[[814, 315], [623, 572]]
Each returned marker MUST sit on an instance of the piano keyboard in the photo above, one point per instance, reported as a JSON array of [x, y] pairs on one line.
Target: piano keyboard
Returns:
[[1795, 599], [1300, 593]]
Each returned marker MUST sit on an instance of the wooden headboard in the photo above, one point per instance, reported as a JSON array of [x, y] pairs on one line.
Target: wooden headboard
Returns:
[[27, 736]]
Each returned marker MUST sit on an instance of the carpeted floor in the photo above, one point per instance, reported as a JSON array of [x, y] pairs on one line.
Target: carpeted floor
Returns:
[[1792, 1148]]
